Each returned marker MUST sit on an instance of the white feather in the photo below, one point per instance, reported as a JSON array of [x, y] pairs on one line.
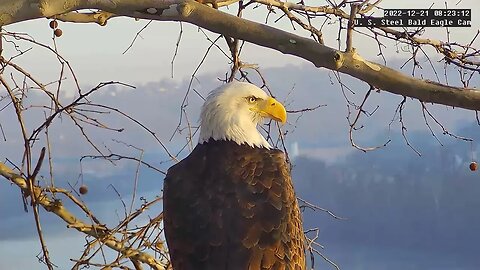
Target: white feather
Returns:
[[226, 115]]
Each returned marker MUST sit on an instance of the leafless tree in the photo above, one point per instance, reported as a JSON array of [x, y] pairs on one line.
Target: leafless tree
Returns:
[[137, 240]]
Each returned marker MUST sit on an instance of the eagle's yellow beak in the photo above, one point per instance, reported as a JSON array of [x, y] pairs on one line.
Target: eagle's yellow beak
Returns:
[[273, 109]]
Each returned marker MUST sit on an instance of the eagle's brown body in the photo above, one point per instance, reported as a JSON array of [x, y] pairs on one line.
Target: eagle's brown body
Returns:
[[230, 206]]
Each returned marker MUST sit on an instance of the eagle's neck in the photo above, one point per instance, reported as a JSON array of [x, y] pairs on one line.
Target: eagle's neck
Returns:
[[219, 124]]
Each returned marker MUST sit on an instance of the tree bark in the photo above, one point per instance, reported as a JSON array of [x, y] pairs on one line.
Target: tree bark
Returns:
[[351, 63], [56, 206]]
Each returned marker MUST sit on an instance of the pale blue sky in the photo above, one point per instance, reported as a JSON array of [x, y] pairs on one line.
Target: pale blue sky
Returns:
[[96, 55], [96, 52]]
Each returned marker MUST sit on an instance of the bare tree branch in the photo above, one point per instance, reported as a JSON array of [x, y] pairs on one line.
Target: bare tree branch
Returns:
[[351, 63], [99, 232]]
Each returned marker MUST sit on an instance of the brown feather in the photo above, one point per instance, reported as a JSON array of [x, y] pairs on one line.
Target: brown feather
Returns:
[[269, 258], [255, 262], [229, 206]]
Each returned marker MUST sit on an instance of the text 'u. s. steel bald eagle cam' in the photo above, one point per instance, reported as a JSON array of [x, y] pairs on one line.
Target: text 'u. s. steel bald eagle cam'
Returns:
[[231, 204]]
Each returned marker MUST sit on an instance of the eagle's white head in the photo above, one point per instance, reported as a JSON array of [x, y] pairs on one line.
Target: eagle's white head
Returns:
[[233, 110]]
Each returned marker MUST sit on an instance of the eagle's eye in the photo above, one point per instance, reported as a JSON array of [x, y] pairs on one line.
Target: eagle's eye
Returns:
[[252, 99]]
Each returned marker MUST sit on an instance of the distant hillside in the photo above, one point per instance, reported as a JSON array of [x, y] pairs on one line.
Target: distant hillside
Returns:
[[425, 210]]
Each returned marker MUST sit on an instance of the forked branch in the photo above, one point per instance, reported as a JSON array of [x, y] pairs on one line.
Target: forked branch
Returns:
[[204, 16], [101, 233]]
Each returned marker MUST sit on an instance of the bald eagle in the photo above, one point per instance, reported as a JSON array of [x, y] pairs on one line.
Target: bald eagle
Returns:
[[230, 204]]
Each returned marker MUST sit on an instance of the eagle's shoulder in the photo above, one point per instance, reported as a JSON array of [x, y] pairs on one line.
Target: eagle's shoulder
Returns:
[[192, 164]]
